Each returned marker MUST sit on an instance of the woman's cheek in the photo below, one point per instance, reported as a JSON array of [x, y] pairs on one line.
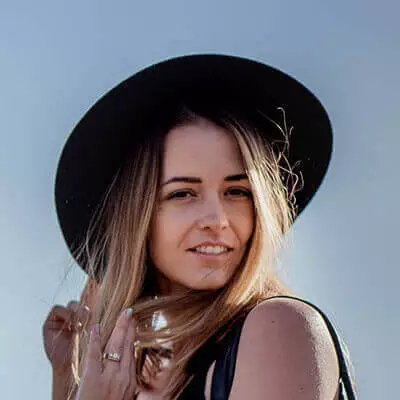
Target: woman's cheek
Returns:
[[243, 218]]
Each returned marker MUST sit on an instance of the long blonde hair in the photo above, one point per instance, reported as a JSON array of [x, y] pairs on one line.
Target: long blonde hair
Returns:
[[116, 256]]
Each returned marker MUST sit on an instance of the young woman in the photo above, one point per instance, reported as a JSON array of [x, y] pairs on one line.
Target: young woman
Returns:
[[175, 193]]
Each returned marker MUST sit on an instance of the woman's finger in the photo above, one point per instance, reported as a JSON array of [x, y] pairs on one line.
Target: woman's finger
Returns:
[[117, 340], [73, 305], [59, 313], [80, 315], [73, 323], [128, 362], [59, 326], [93, 367], [83, 317]]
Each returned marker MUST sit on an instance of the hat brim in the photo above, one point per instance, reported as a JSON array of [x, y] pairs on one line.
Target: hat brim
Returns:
[[98, 144]]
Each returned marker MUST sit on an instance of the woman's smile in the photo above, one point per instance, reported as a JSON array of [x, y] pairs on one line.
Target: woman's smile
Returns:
[[211, 253]]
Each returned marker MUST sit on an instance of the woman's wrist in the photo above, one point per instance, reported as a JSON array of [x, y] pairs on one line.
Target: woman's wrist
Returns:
[[61, 385]]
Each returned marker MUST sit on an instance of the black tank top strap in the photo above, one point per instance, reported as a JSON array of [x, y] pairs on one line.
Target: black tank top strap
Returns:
[[224, 370], [224, 350]]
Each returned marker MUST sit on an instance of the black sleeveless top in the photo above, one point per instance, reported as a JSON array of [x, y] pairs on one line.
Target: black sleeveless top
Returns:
[[225, 355]]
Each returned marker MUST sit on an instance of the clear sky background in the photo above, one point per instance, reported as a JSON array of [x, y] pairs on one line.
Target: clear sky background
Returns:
[[58, 57]]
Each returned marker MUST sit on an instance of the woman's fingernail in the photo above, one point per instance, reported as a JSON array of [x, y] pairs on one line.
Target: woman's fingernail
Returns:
[[129, 313]]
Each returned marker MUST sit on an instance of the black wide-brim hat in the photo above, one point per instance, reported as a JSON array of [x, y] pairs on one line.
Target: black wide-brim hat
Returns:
[[127, 114]]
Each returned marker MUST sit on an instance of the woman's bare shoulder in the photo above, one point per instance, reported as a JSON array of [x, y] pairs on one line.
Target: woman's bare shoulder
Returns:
[[285, 348]]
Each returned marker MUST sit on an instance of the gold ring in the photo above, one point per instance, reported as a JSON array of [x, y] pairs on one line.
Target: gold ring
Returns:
[[112, 356]]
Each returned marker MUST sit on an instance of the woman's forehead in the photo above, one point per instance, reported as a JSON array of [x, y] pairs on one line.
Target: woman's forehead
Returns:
[[201, 147]]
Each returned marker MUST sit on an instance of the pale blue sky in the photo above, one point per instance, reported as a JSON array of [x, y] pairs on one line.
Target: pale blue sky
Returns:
[[58, 57]]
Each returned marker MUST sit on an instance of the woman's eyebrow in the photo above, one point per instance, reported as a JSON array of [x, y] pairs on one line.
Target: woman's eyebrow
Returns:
[[237, 177], [187, 179]]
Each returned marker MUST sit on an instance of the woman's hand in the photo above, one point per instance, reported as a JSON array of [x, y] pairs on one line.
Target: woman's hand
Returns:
[[59, 331], [108, 379]]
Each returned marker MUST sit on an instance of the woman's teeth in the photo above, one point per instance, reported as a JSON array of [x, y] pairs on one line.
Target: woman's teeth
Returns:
[[211, 249]]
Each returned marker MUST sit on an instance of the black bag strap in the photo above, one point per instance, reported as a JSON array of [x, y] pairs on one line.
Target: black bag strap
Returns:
[[225, 363]]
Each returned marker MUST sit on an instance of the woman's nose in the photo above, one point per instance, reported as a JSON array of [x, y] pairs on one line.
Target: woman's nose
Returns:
[[213, 216]]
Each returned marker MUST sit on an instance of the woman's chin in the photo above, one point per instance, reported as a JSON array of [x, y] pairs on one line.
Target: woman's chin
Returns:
[[212, 279]]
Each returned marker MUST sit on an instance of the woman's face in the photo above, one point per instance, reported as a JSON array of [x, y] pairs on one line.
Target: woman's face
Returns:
[[204, 220]]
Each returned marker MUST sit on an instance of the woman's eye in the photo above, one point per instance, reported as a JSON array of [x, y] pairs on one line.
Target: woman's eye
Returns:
[[237, 192], [234, 192], [182, 194]]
